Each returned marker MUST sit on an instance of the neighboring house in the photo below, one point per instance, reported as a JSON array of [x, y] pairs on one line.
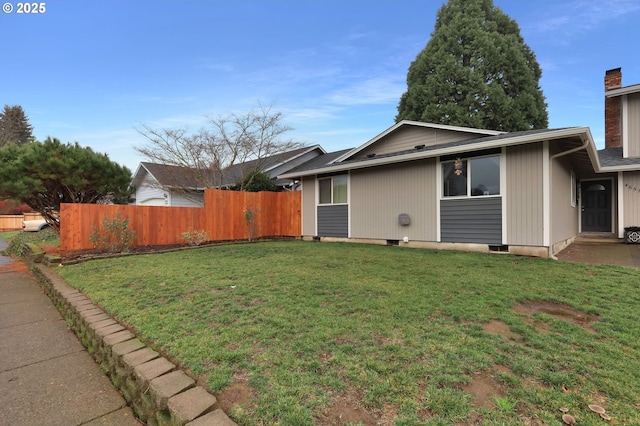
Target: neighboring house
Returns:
[[529, 192], [164, 185]]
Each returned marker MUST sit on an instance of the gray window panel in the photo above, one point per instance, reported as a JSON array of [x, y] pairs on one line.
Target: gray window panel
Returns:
[[471, 220], [333, 221]]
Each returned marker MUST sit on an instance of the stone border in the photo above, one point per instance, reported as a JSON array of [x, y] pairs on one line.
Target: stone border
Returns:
[[158, 392]]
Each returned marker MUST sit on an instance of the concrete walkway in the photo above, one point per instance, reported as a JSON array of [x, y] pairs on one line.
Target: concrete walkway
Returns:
[[602, 251], [46, 375]]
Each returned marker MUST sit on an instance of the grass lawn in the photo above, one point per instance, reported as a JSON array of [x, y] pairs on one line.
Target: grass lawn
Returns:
[[301, 333]]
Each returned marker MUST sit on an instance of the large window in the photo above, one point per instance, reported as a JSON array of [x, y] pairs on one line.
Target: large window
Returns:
[[333, 190], [473, 177]]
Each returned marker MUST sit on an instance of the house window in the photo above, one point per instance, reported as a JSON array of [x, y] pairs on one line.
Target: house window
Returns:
[[333, 190], [473, 177]]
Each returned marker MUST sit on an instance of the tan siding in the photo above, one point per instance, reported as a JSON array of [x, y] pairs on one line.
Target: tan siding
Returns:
[[309, 206], [379, 195], [407, 137], [631, 194], [633, 104], [564, 217], [524, 195]]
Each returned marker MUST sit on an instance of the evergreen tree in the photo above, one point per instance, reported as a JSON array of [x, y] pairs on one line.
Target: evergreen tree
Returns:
[[476, 71], [14, 126], [46, 174]]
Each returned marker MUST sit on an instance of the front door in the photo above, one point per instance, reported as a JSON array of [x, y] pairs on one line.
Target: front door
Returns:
[[596, 206]]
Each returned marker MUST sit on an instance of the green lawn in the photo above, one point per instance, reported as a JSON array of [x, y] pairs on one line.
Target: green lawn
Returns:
[[301, 333]]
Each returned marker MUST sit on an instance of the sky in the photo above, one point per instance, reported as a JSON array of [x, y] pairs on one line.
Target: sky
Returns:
[[95, 72]]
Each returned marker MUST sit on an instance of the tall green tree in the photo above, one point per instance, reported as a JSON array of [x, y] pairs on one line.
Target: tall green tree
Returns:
[[476, 71], [14, 126], [46, 174]]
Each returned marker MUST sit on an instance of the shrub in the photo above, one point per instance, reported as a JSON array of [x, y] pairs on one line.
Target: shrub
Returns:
[[195, 237], [114, 236], [18, 244]]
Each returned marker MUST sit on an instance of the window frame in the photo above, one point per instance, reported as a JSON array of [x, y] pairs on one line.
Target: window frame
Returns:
[[333, 190], [468, 171]]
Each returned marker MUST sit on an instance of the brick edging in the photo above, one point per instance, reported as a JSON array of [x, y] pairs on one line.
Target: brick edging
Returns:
[[158, 392]]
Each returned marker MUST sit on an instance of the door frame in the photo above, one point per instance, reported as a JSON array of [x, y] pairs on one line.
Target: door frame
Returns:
[[612, 200]]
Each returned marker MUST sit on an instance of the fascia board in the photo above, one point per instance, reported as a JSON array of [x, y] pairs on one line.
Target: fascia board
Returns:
[[628, 90], [582, 132]]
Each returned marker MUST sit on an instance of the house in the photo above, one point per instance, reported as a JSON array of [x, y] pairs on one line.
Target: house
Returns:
[[165, 185], [431, 185]]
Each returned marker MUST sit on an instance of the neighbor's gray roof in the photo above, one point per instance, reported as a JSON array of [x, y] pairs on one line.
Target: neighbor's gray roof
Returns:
[[612, 157]]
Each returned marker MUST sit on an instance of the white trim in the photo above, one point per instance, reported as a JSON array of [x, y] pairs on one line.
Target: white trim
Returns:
[[349, 204], [438, 198], [546, 195], [629, 90], [573, 190], [625, 127], [620, 200], [316, 182], [503, 193], [582, 132]]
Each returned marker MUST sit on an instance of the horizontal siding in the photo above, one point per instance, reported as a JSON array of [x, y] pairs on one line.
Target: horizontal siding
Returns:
[[407, 137], [633, 117], [471, 220], [380, 194], [333, 221], [187, 200]]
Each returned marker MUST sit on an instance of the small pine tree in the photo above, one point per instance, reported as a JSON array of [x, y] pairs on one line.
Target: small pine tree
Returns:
[[476, 71], [14, 126]]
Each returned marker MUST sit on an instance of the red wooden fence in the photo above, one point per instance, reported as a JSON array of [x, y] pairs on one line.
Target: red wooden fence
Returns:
[[226, 215]]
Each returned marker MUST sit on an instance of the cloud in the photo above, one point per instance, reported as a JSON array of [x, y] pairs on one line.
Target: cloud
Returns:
[[575, 17], [381, 89]]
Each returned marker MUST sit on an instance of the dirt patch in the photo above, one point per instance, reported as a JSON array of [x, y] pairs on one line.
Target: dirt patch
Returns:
[[501, 329], [346, 409], [485, 387], [239, 393], [558, 311], [15, 266]]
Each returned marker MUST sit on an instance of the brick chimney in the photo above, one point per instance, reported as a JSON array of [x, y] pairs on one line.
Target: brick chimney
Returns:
[[612, 110]]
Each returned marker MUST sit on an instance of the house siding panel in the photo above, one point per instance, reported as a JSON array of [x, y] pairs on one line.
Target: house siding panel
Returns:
[[524, 195], [309, 206], [565, 218], [379, 195], [406, 138], [633, 122], [149, 194], [471, 220], [333, 221], [631, 194]]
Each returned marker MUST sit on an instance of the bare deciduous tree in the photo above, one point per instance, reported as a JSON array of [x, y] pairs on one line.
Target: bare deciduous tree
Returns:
[[225, 154]]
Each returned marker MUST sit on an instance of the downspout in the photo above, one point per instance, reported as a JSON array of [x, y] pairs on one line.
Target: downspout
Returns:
[[584, 145]]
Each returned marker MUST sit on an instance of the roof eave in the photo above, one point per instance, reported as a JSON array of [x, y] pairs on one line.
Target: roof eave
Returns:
[[418, 155], [311, 148]]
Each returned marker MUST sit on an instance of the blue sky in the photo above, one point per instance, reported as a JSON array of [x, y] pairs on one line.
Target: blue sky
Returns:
[[96, 71]]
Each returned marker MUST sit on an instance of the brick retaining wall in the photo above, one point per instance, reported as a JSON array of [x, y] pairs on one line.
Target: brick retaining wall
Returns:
[[159, 392]]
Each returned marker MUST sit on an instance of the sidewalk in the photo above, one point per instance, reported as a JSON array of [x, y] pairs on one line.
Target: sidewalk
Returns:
[[46, 375]]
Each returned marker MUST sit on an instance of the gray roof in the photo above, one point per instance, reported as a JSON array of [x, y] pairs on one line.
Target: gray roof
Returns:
[[612, 157], [320, 161], [478, 143]]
